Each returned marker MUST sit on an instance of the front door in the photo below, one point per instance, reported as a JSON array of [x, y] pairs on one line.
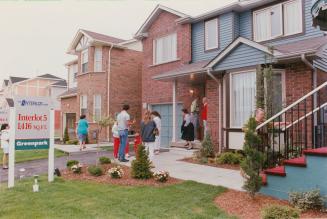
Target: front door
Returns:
[[71, 124]]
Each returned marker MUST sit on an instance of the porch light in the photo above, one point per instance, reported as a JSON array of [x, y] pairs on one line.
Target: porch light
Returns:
[[191, 91]]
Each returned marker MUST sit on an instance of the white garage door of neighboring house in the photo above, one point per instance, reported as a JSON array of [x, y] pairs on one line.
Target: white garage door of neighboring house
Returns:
[[166, 112]]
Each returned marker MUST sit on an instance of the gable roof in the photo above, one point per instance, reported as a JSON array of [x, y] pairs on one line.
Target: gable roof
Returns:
[[235, 44], [69, 93], [153, 16], [61, 83], [95, 38], [14, 80], [49, 76]]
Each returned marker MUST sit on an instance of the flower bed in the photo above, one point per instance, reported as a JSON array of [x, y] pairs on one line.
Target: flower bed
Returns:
[[243, 206], [212, 164], [125, 180]]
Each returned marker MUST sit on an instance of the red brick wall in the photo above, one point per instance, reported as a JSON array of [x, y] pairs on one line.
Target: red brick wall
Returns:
[[156, 91]]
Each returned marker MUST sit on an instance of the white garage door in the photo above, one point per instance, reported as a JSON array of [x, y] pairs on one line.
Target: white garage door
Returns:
[[166, 112]]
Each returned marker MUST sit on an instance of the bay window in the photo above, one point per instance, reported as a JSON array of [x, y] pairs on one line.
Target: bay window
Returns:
[[211, 34], [85, 60], [97, 107], [165, 49], [83, 104], [98, 59], [242, 98], [278, 20]]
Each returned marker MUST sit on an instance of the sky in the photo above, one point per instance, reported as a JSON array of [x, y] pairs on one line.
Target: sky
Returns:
[[35, 34]]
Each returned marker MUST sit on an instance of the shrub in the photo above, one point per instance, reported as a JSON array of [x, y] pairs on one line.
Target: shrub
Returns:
[[71, 163], [74, 142], [66, 135], [95, 170], [116, 172], [104, 160], [161, 176], [279, 212], [87, 141], [207, 149], [77, 168], [230, 158], [307, 200], [252, 163], [141, 167]]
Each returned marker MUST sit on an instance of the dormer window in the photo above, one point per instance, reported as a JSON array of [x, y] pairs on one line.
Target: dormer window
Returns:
[[165, 49], [279, 20], [85, 60], [211, 34]]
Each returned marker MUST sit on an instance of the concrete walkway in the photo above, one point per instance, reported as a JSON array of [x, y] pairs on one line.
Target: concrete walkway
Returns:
[[75, 148], [169, 161]]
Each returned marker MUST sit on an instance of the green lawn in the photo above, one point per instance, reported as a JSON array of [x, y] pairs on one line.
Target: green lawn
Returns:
[[28, 155], [74, 199]]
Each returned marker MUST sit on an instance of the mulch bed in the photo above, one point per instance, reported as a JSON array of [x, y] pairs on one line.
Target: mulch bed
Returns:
[[126, 180], [240, 204], [211, 164]]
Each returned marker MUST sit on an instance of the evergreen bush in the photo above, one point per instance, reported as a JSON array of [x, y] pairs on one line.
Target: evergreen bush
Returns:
[[66, 135], [252, 163], [230, 158], [280, 212], [141, 166], [95, 170], [207, 148], [104, 160]]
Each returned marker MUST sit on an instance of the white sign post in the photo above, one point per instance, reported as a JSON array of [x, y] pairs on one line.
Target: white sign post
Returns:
[[31, 128]]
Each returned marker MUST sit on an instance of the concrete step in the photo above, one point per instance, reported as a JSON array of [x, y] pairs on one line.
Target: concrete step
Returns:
[[181, 144]]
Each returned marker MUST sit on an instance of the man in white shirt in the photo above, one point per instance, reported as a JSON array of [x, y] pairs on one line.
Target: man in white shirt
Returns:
[[123, 122]]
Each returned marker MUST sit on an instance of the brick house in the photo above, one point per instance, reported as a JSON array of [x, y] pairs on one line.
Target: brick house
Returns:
[[105, 75], [216, 55]]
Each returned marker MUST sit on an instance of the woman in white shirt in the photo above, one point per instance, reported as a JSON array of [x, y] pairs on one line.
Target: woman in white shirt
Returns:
[[5, 144], [157, 119]]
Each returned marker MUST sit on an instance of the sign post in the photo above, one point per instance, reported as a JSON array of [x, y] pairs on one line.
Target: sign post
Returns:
[[31, 128]]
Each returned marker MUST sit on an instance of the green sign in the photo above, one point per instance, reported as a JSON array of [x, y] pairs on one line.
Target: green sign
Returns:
[[32, 144]]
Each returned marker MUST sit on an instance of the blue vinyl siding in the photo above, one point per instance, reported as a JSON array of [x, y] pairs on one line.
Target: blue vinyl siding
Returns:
[[246, 24], [321, 62], [310, 31], [242, 56], [236, 25], [226, 36]]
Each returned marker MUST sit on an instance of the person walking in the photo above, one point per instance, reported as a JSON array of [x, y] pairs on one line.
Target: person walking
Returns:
[[82, 131], [204, 116], [156, 117], [5, 145], [148, 130], [187, 129], [123, 121]]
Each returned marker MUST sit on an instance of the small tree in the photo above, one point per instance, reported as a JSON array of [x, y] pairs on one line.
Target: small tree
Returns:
[[102, 124], [66, 135], [207, 149], [252, 163], [141, 167]]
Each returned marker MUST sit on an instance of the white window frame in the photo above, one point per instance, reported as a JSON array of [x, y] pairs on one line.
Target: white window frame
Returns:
[[82, 103], [84, 60], [174, 53], [231, 118], [206, 34], [95, 107], [282, 21], [98, 59]]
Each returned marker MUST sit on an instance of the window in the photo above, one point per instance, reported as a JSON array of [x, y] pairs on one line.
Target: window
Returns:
[[97, 108], [279, 20], [211, 34], [85, 60], [242, 98], [98, 59], [165, 49], [83, 104], [74, 71]]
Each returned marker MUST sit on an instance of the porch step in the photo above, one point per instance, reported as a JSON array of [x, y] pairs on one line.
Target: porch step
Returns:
[[181, 144], [299, 162], [276, 171], [317, 152]]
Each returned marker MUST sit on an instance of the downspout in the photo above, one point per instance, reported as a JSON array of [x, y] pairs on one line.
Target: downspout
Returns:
[[220, 113], [108, 87]]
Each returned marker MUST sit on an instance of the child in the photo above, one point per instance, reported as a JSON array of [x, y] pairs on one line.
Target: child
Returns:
[[115, 134], [137, 142], [5, 144]]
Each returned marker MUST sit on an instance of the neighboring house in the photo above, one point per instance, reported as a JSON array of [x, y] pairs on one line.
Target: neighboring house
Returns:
[[46, 85], [105, 75], [216, 55]]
